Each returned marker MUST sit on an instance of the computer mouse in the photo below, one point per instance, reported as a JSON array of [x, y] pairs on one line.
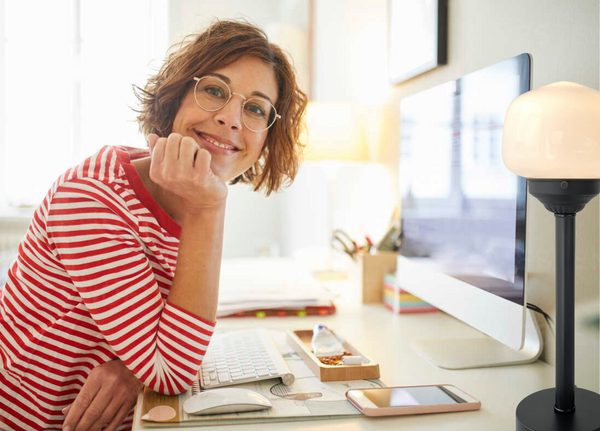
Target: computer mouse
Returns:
[[225, 400]]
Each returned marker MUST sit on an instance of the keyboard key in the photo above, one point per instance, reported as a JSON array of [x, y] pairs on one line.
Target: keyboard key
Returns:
[[240, 377], [262, 372], [224, 377]]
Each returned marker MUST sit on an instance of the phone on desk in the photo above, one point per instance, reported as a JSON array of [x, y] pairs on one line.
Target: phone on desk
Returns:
[[411, 400]]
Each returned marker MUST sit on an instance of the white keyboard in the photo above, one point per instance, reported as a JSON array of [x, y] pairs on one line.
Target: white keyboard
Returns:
[[235, 357]]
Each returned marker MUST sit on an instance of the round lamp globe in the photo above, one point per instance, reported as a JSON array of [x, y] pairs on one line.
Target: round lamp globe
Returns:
[[554, 132]]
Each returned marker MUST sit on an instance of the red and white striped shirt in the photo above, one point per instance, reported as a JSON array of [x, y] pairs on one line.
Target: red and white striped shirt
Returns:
[[90, 285]]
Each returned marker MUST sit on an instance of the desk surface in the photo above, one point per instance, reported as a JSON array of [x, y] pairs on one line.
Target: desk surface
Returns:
[[385, 338]]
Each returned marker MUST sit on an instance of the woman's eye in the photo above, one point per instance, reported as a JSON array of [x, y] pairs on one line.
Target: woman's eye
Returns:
[[255, 109], [215, 91]]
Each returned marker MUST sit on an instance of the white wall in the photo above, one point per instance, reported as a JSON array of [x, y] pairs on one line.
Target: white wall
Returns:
[[349, 52], [563, 38]]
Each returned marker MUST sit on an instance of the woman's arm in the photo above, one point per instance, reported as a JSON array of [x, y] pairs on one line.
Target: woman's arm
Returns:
[[111, 388], [196, 284], [95, 237], [180, 167]]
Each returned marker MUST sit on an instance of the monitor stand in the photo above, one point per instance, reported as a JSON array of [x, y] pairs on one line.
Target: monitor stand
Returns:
[[463, 353]]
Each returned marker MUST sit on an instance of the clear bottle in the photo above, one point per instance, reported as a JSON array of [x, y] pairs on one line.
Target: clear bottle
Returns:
[[324, 343]]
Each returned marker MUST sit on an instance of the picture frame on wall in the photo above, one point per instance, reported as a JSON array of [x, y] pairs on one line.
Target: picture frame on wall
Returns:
[[418, 37]]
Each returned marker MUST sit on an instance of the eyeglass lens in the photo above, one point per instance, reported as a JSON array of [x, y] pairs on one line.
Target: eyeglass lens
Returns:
[[212, 94]]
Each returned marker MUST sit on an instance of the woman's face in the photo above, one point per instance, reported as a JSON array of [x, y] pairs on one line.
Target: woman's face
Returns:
[[249, 77]]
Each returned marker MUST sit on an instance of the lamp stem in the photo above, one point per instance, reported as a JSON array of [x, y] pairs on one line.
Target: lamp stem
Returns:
[[565, 313], [564, 198]]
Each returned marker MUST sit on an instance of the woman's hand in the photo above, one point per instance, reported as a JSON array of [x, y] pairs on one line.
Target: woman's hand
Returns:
[[106, 398], [179, 165]]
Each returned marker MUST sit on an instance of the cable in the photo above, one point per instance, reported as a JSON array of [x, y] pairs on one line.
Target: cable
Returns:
[[537, 309]]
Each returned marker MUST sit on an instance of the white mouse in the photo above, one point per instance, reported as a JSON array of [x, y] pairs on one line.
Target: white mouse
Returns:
[[225, 400]]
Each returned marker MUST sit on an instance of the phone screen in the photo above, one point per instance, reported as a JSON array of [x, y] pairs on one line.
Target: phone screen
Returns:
[[404, 397]]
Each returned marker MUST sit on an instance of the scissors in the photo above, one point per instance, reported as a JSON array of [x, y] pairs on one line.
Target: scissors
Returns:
[[341, 241]]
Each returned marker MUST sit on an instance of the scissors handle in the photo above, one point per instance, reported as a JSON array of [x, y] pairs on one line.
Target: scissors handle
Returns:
[[341, 245]]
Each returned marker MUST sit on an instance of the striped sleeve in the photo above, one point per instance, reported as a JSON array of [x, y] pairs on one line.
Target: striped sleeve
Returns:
[[95, 238]]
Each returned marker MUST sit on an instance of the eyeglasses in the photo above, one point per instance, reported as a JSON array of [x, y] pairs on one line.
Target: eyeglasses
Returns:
[[212, 94]]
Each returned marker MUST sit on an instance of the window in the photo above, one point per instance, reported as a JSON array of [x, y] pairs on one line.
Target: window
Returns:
[[66, 74]]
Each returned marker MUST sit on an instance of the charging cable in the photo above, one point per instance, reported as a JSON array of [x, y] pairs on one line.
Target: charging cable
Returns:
[[537, 309]]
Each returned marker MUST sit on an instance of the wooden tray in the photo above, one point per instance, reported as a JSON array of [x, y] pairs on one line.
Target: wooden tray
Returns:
[[300, 340]]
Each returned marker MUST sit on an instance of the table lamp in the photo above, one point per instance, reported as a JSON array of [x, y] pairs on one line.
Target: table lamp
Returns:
[[552, 137]]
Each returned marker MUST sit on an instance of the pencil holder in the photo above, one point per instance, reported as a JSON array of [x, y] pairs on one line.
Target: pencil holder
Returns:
[[371, 272]]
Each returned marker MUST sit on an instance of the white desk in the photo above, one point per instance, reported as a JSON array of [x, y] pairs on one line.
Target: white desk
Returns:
[[385, 338]]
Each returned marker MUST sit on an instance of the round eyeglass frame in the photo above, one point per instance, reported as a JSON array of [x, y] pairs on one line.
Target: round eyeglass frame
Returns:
[[231, 93]]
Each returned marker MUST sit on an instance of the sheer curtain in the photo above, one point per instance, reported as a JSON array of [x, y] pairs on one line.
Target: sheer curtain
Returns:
[[66, 74]]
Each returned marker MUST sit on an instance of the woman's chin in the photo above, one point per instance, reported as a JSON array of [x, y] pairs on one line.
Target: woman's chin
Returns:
[[221, 173]]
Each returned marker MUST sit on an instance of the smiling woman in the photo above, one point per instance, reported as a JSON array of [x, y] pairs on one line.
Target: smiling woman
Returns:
[[223, 44], [116, 282]]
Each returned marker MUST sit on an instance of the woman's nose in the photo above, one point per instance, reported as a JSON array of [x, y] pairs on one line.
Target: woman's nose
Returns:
[[231, 114]]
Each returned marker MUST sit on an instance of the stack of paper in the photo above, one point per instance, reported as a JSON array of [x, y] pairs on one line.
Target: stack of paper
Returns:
[[255, 285], [401, 301]]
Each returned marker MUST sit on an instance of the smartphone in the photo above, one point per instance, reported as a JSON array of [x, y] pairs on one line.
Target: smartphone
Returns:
[[411, 400]]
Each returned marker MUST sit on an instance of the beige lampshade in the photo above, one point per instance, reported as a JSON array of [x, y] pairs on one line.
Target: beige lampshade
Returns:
[[554, 132], [336, 131]]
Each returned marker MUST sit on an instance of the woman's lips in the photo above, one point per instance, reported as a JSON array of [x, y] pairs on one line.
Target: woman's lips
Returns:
[[212, 148]]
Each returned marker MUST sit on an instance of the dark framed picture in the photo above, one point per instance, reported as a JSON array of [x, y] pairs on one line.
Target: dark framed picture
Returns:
[[418, 37]]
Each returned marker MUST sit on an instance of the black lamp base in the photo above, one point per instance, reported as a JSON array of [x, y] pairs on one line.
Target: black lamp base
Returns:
[[536, 412]]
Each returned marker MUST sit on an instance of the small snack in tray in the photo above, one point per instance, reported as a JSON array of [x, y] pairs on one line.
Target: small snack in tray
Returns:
[[333, 360]]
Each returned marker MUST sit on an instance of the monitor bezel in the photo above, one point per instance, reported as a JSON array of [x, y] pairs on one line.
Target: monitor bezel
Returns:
[[493, 315]]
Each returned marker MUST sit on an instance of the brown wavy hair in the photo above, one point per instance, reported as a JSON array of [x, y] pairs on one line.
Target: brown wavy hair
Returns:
[[223, 43]]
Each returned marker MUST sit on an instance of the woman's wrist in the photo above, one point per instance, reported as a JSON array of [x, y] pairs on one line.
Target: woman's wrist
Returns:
[[196, 211]]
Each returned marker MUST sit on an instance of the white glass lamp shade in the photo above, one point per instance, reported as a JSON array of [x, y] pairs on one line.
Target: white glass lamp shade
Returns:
[[554, 132]]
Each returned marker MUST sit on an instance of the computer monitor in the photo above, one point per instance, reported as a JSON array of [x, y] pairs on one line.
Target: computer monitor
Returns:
[[463, 215]]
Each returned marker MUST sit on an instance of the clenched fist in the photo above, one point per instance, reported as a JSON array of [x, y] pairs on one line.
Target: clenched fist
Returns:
[[179, 165]]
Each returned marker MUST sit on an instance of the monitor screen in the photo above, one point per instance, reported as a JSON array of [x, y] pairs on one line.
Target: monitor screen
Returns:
[[463, 211]]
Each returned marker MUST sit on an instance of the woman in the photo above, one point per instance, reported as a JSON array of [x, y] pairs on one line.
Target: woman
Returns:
[[116, 282]]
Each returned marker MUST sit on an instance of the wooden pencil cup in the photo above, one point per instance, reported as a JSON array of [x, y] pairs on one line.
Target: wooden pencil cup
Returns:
[[372, 269]]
